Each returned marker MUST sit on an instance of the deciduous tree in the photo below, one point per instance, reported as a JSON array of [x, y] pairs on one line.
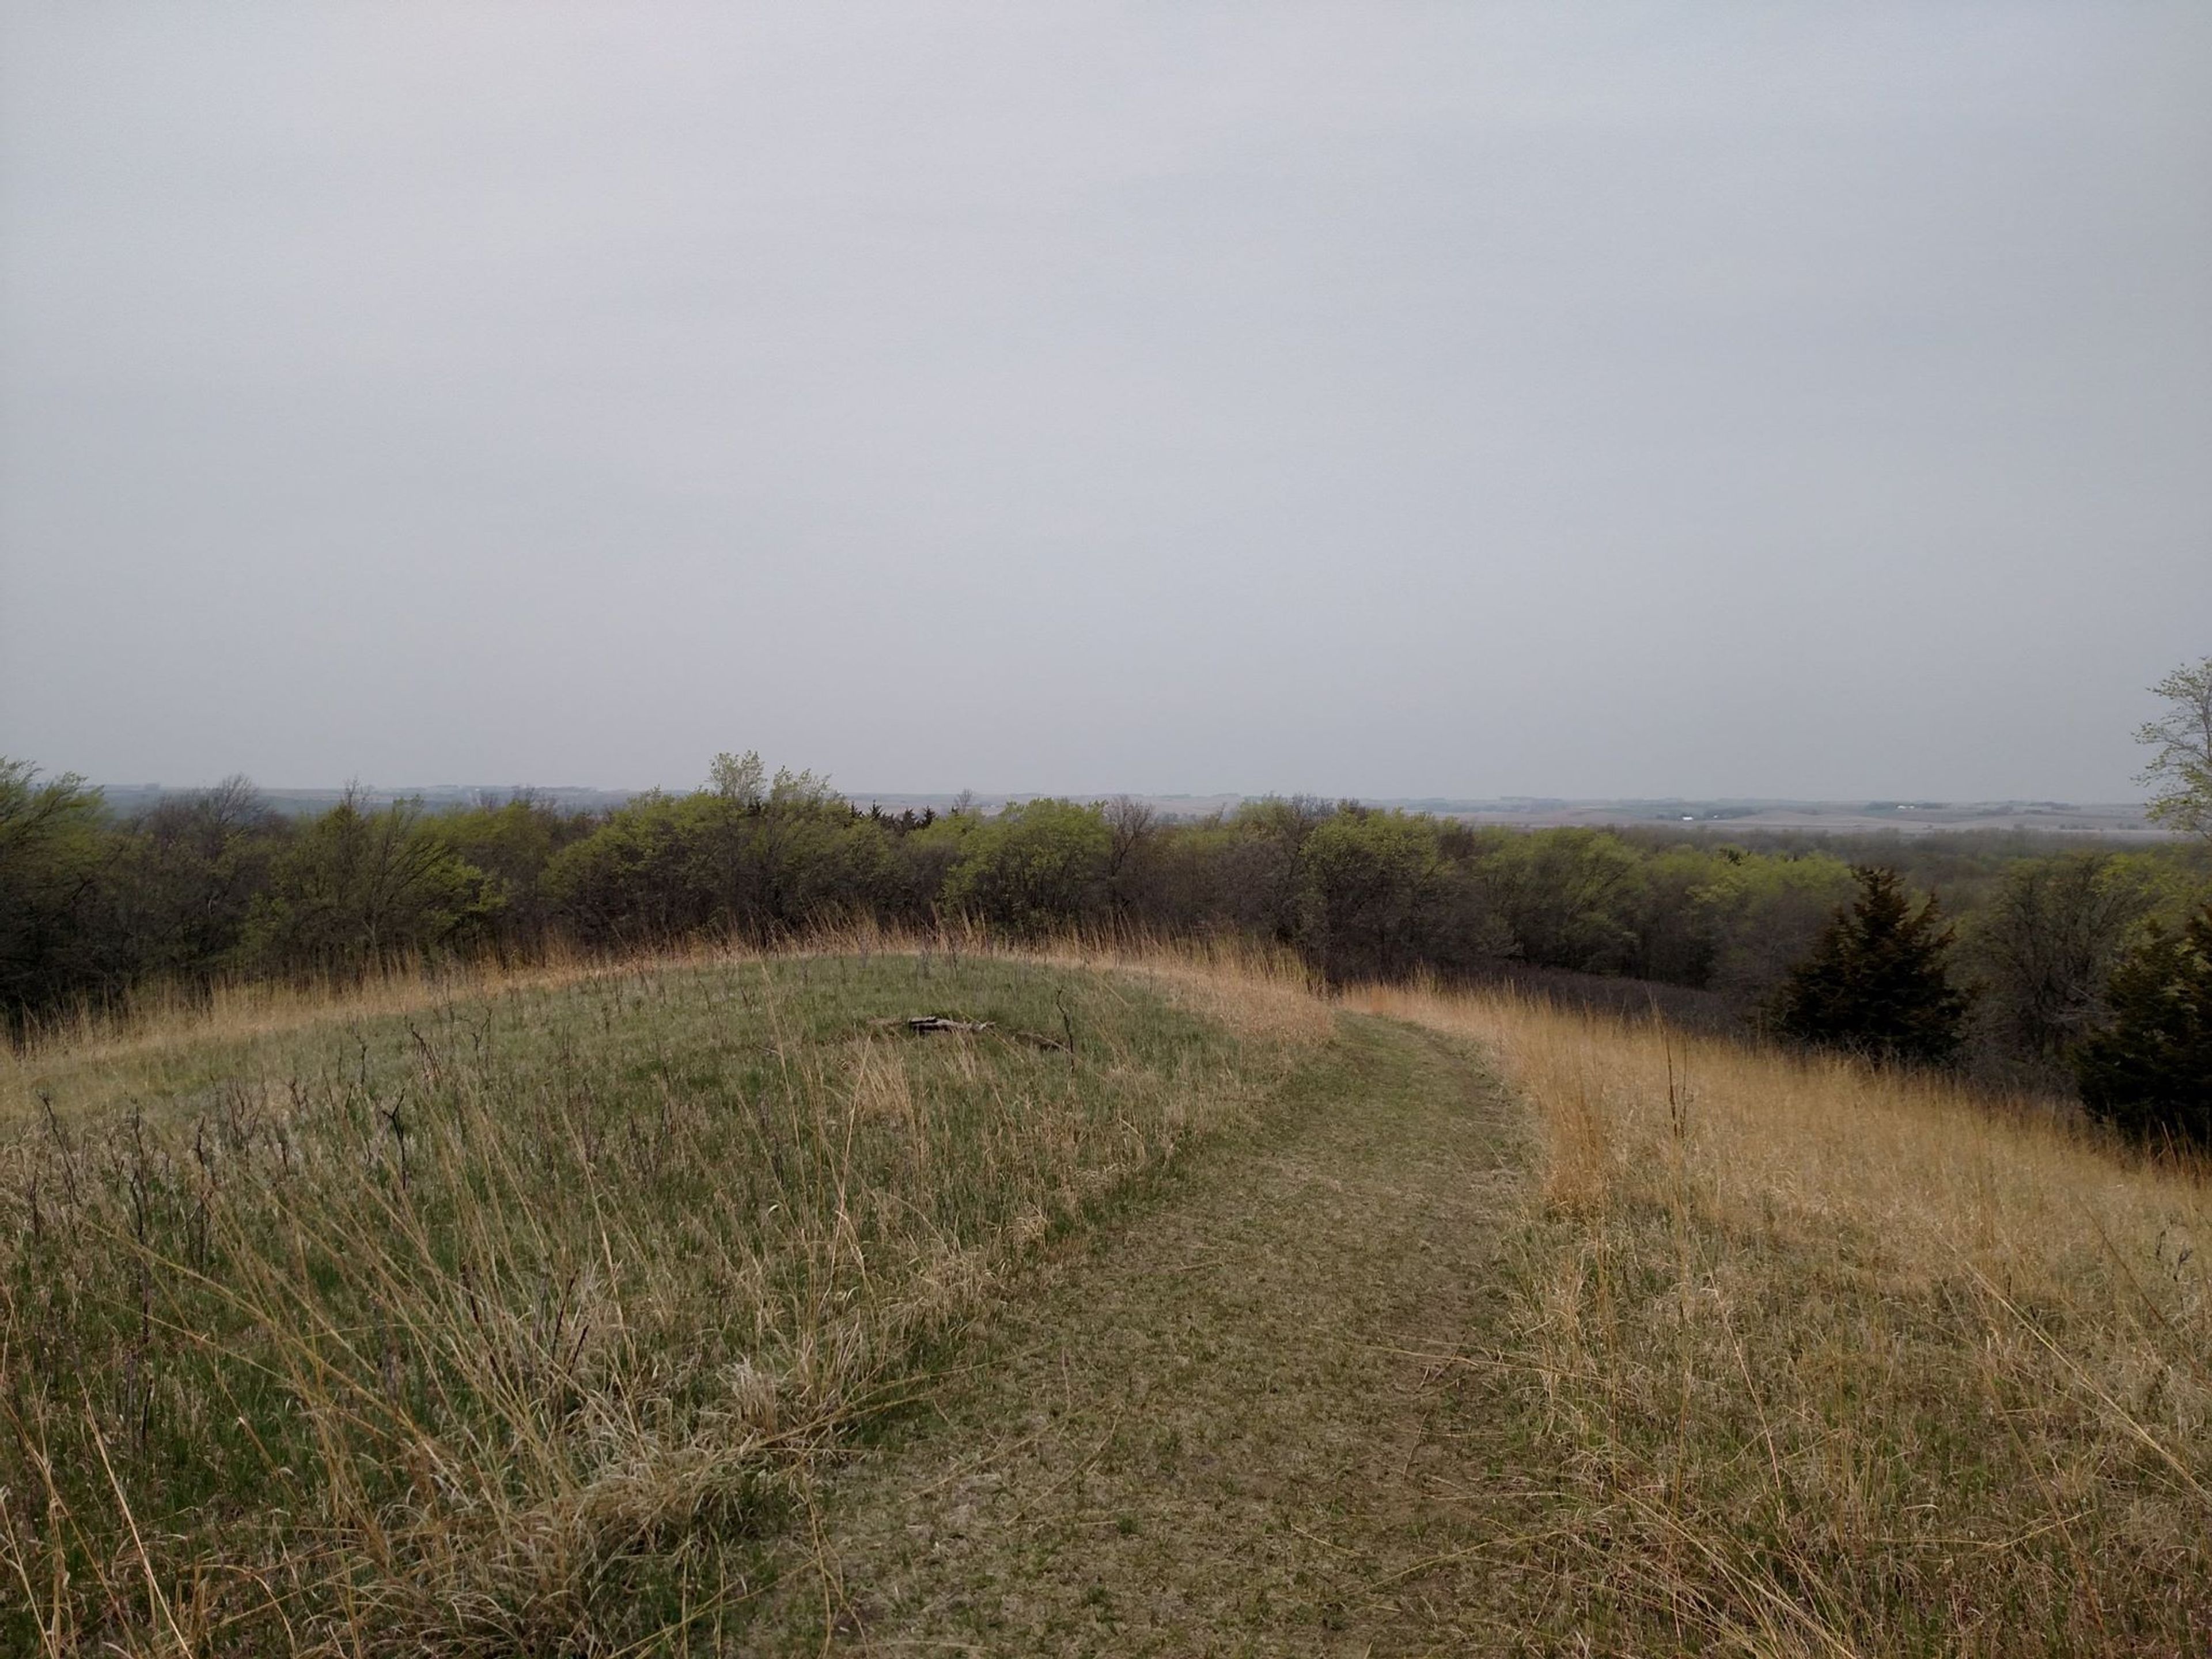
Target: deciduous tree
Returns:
[[2045, 947], [51, 851], [2180, 769], [358, 886]]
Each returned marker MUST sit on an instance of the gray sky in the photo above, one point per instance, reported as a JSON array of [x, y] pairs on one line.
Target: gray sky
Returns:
[[1445, 399]]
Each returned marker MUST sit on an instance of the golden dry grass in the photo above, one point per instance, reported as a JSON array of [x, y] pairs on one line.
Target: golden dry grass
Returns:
[[1841, 1361]]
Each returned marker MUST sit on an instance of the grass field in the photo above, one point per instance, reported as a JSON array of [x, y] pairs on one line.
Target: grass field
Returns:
[[696, 1306], [509, 1323]]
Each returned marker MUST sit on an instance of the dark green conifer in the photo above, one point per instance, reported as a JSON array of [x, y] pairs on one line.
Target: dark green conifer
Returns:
[[2150, 1069], [1876, 983]]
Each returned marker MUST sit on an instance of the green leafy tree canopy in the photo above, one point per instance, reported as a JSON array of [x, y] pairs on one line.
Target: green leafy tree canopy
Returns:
[[2180, 769]]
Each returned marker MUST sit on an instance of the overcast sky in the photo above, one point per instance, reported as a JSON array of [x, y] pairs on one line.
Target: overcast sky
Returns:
[[1450, 399]]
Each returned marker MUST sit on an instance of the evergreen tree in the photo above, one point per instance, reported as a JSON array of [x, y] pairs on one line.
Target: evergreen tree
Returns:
[[2151, 1070], [1876, 983]]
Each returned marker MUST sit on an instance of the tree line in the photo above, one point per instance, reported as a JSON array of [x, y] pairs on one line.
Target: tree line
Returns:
[[2016, 976], [2038, 963]]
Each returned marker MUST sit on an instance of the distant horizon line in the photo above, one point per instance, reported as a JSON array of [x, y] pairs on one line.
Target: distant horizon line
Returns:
[[904, 796]]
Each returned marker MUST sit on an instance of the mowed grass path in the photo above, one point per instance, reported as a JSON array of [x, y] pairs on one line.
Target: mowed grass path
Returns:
[[1216, 1429]]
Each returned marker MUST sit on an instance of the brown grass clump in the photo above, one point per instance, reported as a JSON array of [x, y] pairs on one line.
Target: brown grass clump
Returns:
[[1836, 1360]]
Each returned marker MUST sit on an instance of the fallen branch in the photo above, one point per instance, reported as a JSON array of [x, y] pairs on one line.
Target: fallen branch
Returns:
[[935, 1024]]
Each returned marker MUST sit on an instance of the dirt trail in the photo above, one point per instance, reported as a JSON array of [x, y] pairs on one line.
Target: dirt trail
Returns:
[[1214, 1431]]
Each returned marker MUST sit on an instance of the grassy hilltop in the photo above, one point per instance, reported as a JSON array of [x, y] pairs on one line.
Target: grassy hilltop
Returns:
[[698, 1306], [506, 1322]]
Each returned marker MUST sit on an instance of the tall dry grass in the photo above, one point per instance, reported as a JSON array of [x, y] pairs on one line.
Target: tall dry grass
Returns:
[[1834, 1360], [510, 1314]]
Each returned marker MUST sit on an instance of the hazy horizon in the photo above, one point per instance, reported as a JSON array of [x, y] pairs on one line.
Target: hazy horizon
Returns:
[[1465, 402], [440, 791]]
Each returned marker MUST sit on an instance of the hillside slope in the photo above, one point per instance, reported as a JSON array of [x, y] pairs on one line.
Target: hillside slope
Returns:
[[699, 1306], [1832, 1360]]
